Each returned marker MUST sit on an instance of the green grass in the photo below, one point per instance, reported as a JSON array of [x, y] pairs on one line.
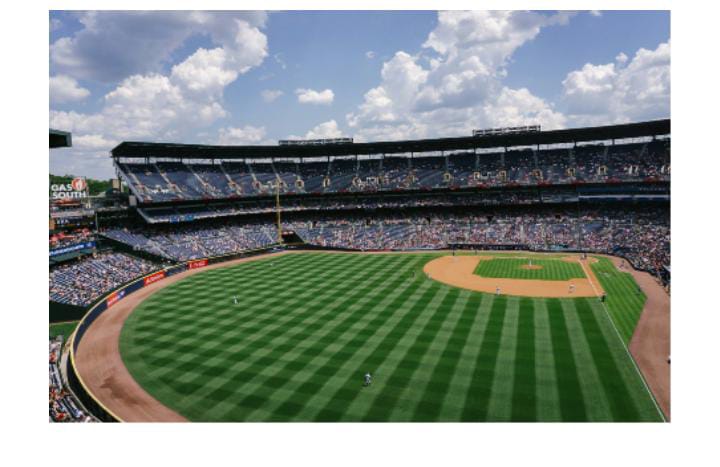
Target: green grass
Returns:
[[64, 329], [511, 268], [308, 326], [625, 300]]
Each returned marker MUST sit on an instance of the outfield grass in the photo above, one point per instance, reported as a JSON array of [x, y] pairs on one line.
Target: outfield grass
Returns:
[[64, 329], [625, 300], [512, 268], [309, 326]]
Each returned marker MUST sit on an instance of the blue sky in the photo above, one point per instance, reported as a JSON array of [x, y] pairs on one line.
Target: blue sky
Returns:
[[254, 78]]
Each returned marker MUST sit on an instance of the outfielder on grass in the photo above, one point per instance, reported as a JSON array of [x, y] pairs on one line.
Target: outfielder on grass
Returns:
[[368, 379]]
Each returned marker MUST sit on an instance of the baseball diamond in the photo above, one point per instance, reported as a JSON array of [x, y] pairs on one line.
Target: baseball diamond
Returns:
[[309, 325], [529, 268]]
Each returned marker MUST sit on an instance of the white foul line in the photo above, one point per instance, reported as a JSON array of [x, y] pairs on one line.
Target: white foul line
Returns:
[[622, 344]]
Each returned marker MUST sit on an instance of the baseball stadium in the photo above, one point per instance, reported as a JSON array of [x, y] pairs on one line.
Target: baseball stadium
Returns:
[[511, 275]]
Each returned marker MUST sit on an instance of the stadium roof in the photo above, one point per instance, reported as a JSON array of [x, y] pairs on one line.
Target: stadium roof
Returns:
[[573, 135], [60, 139]]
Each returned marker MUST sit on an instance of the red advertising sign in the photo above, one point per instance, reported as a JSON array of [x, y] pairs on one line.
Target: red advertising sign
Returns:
[[154, 277], [200, 263], [114, 297]]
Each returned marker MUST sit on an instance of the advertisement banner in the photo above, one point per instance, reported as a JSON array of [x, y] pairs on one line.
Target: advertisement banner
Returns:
[[154, 277], [115, 297], [76, 189], [68, 249], [200, 263]]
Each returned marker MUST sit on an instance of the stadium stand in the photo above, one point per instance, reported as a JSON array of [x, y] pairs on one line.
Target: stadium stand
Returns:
[[166, 181], [184, 243], [84, 281], [63, 405], [65, 239], [409, 194], [641, 234]]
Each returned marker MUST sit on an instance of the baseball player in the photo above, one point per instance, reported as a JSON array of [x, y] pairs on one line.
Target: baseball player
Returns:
[[367, 379]]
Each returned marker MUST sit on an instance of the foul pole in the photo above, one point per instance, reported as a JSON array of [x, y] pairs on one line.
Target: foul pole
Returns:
[[277, 211]]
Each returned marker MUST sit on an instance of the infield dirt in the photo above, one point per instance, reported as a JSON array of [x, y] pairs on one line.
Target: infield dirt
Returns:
[[458, 271]]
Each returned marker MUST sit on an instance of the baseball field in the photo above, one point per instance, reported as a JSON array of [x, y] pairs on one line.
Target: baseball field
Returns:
[[306, 328]]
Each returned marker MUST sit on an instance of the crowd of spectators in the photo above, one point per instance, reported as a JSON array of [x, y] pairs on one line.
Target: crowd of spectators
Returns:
[[188, 241], [168, 181], [64, 239], [63, 406], [640, 235], [83, 281], [485, 198]]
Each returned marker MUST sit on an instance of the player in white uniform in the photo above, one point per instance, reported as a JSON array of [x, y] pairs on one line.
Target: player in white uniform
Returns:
[[368, 379], [497, 290], [572, 287], [235, 300]]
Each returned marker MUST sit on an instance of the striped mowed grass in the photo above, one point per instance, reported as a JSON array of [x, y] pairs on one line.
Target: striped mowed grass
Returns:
[[308, 326], [514, 268]]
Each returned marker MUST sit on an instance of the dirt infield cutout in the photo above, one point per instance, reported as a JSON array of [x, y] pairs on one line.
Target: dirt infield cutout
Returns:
[[458, 271]]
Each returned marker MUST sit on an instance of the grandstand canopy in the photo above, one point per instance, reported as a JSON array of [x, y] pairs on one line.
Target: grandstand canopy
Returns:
[[60, 139], [573, 135]]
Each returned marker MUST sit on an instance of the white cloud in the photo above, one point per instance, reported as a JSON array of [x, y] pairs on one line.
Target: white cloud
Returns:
[[370, 54], [66, 89], [310, 96], [170, 107], [324, 130], [455, 84], [269, 95], [596, 13], [205, 71], [93, 143], [588, 90], [247, 135], [115, 44], [491, 36], [516, 107], [55, 24], [609, 93], [621, 58]]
